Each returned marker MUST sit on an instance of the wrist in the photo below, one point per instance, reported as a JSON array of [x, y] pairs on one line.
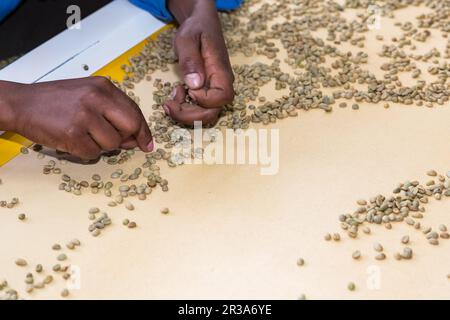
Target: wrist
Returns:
[[185, 9], [8, 117]]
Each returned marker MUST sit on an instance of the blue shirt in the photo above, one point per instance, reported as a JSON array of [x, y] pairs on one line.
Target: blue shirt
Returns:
[[157, 8], [6, 6]]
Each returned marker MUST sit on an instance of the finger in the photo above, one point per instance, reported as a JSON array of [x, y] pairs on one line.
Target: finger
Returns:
[[127, 118], [188, 49], [218, 89], [178, 96], [105, 135], [214, 97], [129, 144], [142, 138], [186, 113], [86, 148]]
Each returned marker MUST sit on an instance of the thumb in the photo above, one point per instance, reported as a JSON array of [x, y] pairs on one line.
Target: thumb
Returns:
[[144, 138], [129, 143], [191, 61]]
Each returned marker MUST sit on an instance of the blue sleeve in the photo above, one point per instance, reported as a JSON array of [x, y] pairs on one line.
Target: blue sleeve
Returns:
[[6, 6], [159, 9]]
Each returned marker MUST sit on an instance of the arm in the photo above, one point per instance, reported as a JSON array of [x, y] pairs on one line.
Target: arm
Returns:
[[203, 60], [6, 111], [81, 116]]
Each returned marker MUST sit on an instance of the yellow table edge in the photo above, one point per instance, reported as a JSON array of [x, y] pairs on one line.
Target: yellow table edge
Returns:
[[11, 143]]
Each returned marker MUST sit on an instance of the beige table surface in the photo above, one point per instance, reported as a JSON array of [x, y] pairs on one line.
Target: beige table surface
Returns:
[[235, 234]]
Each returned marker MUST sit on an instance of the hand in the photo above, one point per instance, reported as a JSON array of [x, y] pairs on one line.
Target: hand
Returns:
[[82, 116], [204, 62]]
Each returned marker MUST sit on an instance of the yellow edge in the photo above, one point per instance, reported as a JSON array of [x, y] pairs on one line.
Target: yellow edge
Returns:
[[11, 143], [114, 68]]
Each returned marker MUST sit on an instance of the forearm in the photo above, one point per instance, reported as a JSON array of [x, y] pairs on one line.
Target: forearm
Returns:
[[7, 117], [183, 9]]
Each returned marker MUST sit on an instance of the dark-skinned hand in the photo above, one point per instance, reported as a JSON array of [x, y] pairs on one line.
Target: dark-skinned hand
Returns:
[[83, 117], [203, 61]]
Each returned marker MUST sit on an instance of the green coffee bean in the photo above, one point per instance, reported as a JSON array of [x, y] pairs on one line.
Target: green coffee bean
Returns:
[[356, 255], [407, 253], [129, 206], [351, 286], [94, 210], [62, 257], [132, 225], [336, 237], [378, 247], [96, 233], [380, 256], [65, 293], [21, 262], [432, 173], [48, 279]]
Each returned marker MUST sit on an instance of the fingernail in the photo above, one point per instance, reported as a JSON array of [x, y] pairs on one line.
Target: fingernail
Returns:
[[193, 80], [167, 110], [150, 146], [173, 94]]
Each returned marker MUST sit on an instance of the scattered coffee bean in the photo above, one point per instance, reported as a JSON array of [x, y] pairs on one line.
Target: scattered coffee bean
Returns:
[[405, 239], [356, 255], [62, 257], [407, 253], [378, 247], [380, 256], [21, 262], [65, 293], [351, 286]]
